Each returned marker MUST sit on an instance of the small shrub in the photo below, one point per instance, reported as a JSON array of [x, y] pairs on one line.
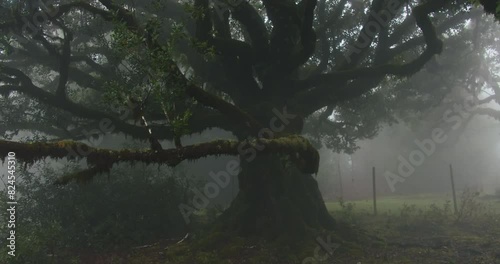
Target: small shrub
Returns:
[[469, 207], [133, 206], [436, 215], [347, 210]]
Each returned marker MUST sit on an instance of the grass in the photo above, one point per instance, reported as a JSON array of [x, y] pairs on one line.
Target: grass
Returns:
[[392, 205], [423, 228], [407, 229]]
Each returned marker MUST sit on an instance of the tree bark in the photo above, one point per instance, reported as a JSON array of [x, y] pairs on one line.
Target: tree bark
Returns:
[[275, 200]]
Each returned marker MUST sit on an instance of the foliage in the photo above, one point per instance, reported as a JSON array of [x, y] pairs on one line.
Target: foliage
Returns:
[[490, 6], [431, 218], [145, 74], [469, 208], [134, 206], [347, 210]]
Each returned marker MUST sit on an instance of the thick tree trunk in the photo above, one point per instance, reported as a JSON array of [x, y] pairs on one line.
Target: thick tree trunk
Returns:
[[275, 199]]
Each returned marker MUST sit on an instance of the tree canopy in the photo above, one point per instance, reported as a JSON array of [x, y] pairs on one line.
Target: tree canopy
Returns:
[[192, 65]]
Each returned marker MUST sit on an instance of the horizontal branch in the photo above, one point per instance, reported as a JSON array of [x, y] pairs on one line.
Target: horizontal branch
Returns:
[[488, 112], [101, 160]]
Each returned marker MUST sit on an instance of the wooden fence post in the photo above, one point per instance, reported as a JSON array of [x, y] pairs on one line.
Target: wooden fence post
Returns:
[[453, 189], [374, 192], [340, 178]]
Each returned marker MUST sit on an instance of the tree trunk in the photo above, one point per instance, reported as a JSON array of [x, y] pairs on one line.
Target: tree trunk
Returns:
[[275, 199]]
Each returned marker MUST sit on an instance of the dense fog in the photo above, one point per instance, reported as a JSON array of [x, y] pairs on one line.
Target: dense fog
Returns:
[[250, 131]]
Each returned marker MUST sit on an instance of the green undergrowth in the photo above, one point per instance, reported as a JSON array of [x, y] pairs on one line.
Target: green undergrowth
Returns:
[[426, 231], [220, 247]]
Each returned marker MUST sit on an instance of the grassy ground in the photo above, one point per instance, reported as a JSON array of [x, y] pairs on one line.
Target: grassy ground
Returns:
[[423, 229], [392, 205], [408, 229]]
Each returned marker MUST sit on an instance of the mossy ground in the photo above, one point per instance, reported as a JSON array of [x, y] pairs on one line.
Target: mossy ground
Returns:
[[410, 229]]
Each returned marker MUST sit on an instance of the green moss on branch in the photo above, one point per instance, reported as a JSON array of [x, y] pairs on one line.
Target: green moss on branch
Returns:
[[101, 160]]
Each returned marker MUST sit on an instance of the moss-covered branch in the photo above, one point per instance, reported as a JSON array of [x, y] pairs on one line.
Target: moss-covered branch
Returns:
[[101, 160]]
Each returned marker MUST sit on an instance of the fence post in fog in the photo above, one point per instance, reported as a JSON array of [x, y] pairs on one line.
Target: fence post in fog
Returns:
[[453, 189], [374, 193], [340, 178], [233, 182]]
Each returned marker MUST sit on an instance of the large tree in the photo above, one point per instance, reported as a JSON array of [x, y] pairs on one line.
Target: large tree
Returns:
[[255, 68]]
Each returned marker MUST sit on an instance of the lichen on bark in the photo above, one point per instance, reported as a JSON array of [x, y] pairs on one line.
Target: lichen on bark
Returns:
[[101, 160]]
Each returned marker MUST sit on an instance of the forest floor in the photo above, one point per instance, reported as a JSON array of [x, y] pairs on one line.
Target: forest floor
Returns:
[[407, 229], [423, 229]]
